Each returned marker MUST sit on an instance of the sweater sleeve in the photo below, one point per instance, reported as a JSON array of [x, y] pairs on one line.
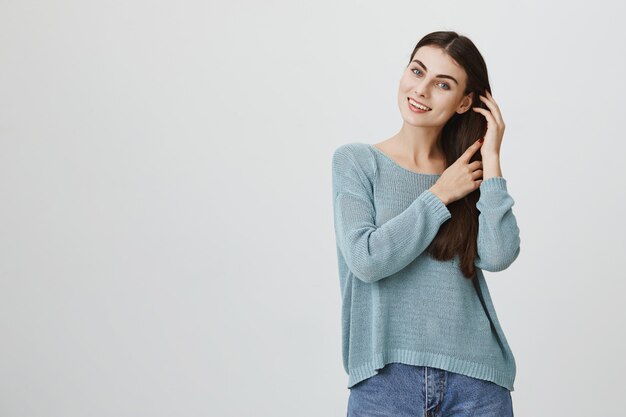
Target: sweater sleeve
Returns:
[[498, 234], [375, 252]]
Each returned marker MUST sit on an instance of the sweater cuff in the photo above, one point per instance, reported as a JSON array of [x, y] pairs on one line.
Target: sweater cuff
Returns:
[[493, 183], [435, 204]]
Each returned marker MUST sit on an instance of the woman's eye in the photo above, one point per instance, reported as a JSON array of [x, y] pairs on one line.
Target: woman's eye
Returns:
[[447, 87]]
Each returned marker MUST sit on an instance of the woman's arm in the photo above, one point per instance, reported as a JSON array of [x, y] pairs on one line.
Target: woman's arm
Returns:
[[498, 233], [375, 252]]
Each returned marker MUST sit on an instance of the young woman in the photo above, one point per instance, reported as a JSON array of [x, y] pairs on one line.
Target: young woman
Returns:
[[417, 218]]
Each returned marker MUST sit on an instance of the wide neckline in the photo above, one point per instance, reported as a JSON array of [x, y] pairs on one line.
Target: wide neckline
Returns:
[[393, 161]]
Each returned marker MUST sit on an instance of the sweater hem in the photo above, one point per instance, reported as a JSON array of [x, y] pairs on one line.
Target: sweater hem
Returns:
[[494, 183], [434, 360], [442, 213]]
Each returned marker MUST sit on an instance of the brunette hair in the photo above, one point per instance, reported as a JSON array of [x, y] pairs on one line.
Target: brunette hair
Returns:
[[459, 234]]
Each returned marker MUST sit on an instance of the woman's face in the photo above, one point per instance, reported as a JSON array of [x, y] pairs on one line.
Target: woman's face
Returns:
[[435, 80]]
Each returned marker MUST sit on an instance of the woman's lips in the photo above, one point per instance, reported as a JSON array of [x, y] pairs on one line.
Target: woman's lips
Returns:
[[415, 109]]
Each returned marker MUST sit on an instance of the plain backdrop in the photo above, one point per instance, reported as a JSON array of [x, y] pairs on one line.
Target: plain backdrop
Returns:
[[166, 233]]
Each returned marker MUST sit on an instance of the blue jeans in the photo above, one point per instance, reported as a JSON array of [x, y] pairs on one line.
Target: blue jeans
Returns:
[[400, 390]]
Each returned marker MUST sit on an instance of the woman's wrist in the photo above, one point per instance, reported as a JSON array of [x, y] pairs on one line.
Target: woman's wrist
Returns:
[[491, 166], [437, 192]]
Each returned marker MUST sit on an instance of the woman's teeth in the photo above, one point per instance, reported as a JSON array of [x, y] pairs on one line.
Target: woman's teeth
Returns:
[[419, 106]]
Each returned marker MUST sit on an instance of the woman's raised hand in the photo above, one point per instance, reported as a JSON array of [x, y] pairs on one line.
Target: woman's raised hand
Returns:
[[495, 127], [460, 178]]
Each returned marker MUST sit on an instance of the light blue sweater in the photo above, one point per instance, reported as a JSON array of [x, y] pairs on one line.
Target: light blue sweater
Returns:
[[398, 303]]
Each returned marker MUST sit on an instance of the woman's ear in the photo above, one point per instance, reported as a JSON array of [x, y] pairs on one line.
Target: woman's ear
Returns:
[[466, 103]]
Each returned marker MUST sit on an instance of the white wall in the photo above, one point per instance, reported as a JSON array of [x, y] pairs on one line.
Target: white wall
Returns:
[[166, 238]]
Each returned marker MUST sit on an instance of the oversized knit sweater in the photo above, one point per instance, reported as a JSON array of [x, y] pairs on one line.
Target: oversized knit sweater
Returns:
[[399, 304]]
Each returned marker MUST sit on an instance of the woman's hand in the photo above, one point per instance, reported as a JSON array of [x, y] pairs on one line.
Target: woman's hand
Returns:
[[495, 127], [460, 178]]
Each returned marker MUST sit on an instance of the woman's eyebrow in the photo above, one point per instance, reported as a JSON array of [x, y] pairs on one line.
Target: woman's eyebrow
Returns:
[[438, 75]]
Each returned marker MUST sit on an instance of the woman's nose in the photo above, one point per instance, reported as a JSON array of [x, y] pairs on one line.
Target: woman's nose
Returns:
[[421, 89]]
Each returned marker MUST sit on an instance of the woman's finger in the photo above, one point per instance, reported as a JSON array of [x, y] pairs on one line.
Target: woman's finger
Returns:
[[487, 114], [493, 106]]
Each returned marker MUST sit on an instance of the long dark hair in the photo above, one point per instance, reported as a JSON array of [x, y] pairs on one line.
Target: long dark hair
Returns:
[[458, 235]]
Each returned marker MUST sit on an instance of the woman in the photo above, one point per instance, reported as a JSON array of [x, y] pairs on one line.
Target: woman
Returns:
[[417, 218]]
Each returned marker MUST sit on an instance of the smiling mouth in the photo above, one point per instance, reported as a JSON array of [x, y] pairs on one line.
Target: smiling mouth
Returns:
[[418, 106]]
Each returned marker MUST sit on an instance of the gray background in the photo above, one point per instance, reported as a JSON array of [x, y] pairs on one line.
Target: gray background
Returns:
[[166, 231]]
